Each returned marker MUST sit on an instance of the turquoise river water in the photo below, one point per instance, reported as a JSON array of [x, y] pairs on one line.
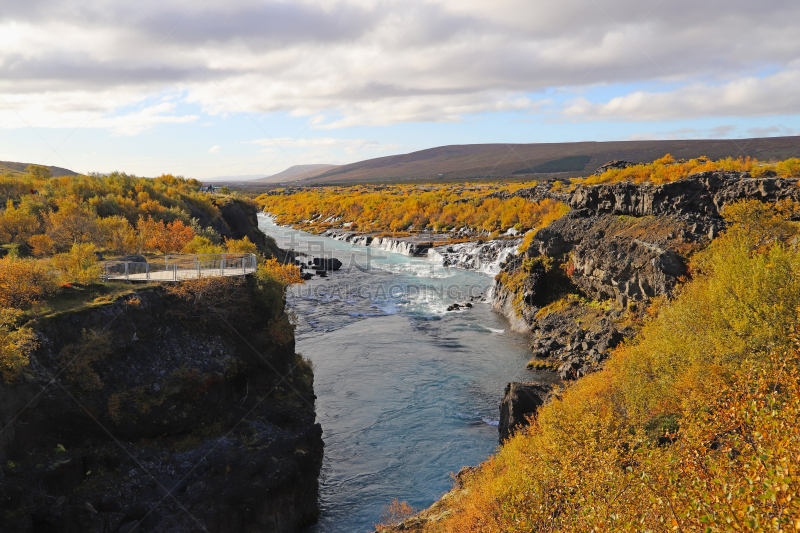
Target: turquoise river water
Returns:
[[407, 393]]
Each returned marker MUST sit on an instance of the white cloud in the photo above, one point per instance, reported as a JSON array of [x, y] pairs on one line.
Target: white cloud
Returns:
[[776, 94], [374, 63], [214, 149], [329, 144]]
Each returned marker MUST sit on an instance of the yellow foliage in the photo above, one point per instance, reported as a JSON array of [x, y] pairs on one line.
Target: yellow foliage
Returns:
[[72, 224], [15, 344], [202, 245], [399, 208], [695, 426], [119, 235], [24, 282], [166, 238], [78, 265], [285, 274], [241, 246], [42, 245], [666, 169], [394, 513], [17, 223]]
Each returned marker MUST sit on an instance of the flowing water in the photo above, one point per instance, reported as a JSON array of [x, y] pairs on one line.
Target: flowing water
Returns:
[[407, 393]]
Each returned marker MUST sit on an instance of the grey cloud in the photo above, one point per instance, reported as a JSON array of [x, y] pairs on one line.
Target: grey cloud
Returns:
[[297, 56]]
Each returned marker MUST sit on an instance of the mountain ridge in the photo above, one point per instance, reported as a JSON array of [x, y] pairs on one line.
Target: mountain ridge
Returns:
[[480, 161]]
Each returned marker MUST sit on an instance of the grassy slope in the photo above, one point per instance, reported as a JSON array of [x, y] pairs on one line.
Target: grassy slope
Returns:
[[695, 426], [18, 169]]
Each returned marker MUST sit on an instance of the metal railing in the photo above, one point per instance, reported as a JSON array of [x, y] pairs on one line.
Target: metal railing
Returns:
[[181, 267]]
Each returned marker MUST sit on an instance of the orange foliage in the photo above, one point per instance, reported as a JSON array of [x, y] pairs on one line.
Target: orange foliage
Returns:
[[666, 169], [166, 238], [24, 282], [285, 274], [42, 245], [72, 224], [401, 208], [17, 223]]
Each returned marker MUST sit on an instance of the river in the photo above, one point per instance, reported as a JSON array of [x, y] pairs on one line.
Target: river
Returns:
[[407, 392]]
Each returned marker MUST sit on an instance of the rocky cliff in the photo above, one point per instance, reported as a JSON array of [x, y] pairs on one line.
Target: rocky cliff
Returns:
[[586, 280], [155, 413]]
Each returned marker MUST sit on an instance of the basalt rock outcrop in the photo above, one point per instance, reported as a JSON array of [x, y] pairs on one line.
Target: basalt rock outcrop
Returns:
[[702, 195], [629, 242], [620, 246], [520, 402], [146, 414]]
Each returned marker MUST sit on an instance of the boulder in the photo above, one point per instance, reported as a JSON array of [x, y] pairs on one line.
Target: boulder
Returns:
[[133, 259], [615, 164], [327, 263], [521, 401]]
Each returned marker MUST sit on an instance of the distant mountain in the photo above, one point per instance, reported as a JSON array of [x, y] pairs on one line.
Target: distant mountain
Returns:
[[19, 168], [477, 161], [294, 173]]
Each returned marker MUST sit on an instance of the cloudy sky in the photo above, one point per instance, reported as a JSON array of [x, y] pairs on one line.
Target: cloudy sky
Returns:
[[205, 88]]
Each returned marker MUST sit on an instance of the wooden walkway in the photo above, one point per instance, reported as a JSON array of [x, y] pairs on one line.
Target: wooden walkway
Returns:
[[181, 267]]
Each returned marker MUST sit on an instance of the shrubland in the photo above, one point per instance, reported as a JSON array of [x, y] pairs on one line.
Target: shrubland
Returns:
[[667, 169], [693, 426], [53, 230], [488, 208], [401, 208]]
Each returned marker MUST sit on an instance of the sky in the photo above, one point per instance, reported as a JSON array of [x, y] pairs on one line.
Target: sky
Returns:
[[208, 88]]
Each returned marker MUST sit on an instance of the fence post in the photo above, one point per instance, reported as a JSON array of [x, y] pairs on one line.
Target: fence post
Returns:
[[198, 269], [222, 266], [175, 272], [126, 272], [147, 271]]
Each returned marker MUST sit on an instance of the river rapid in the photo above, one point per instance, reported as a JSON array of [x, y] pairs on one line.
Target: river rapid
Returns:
[[407, 393]]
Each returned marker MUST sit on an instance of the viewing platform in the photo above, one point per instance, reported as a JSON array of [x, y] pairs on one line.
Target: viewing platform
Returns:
[[180, 267]]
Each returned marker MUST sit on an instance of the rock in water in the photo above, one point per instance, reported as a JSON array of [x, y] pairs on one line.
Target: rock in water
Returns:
[[327, 263], [521, 400]]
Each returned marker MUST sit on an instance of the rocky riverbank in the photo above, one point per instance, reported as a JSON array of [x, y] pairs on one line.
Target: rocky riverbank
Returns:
[[585, 282]]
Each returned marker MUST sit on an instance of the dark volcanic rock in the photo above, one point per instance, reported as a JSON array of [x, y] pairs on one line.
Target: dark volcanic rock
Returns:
[[615, 164], [703, 194], [521, 400], [134, 412], [327, 263]]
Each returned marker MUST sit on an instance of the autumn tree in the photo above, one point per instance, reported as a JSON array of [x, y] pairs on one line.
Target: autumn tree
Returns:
[[24, 282], [39, 172], [72, 224], [79, 264], [118, 234], [17, 223], [166, 238], [42, 245], [241, 246]]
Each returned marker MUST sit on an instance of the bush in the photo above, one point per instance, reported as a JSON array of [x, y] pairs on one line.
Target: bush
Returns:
[[42, 245], [15, 344], [202, 245], [24, 282], [695, 426], [166, 238], [241, 246], [79, 265], [76, 359]]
